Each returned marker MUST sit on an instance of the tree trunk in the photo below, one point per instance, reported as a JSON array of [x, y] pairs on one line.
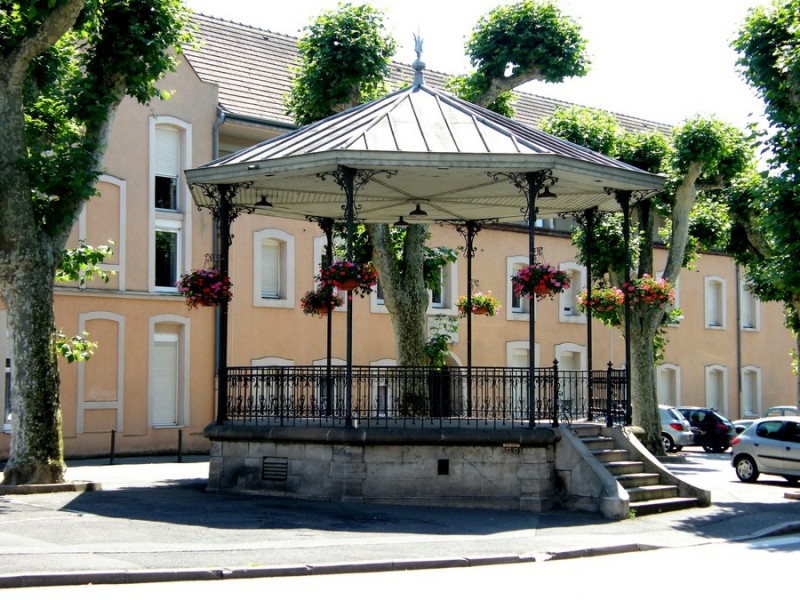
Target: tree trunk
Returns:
[[37, 454], [403, 284], [645, 320], [27, 268]]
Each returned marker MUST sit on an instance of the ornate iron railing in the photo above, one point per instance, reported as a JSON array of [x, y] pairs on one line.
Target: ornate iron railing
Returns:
[[479, 397]]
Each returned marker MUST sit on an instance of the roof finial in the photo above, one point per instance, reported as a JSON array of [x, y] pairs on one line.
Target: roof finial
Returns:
[[418, 65]]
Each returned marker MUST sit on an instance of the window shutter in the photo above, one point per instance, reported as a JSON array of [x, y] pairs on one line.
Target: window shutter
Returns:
[[165, 379], [168, 152], [270, 269]]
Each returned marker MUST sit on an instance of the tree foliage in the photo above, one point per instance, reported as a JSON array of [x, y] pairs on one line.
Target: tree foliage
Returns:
[[766, 207], [700, 157], [65, 65], [517, 43], [344, 61]]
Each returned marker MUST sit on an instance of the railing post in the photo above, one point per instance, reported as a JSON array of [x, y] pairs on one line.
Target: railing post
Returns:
[[556, 387], [609, 396]]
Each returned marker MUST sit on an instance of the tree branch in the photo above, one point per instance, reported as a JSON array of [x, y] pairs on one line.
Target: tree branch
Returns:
[[498, 85], [53, 28]]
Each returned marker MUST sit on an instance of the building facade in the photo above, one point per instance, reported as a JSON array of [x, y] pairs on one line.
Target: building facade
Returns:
[[151, 385]]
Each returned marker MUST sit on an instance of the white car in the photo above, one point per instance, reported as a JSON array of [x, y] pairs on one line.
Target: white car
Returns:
[[675, 429], [770, 446]]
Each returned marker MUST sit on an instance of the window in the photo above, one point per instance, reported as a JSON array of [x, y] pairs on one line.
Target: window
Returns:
[[437, 296], [167, 167], [337, 392], [571, 362], [170, 154], [169, 372], [715, 302], [444, 300], [273, 264], [668, 379], [568, 299], [717, 388], [517, 356], [520, 306], [751, 392], [167, 253], [749, 306], [383, 394]]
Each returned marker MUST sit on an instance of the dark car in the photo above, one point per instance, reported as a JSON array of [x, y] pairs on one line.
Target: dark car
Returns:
[[711, 430]]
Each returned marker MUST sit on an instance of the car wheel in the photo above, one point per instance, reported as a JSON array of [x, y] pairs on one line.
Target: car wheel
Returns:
[[746, 469], [709, 448], [669, 445]]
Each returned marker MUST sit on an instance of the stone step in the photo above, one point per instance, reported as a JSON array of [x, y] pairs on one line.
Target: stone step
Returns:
[[611, 455], [598, 443], [630, 480], [584, 430], [653, 507], [652, 492], [623, 467]]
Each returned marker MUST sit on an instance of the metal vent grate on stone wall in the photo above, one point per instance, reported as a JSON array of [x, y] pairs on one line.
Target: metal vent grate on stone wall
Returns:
[[275, 468]]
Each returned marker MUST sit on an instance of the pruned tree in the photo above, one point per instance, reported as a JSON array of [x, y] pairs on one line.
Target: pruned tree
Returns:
[[517, 43], [344, 56], [766, 208], [65, 65], [700, 157]]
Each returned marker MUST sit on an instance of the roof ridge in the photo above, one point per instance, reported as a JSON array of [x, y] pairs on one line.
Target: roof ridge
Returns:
[[245, 25]]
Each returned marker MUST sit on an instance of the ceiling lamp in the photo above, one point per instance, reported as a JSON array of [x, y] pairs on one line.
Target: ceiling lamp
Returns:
[[547, 193], [401, 222], [418, 212], [264, 202]]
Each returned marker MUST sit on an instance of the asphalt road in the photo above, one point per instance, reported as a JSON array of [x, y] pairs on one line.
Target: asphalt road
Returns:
[[154, 520]]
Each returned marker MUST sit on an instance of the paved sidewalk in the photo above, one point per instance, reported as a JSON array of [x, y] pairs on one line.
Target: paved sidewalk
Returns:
[[153, 521]]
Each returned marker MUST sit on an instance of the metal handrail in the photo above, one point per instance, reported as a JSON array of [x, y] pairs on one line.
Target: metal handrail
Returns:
[[422, 397]]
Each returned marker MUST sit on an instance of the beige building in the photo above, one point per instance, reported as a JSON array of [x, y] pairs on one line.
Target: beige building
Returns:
[[152, 381]]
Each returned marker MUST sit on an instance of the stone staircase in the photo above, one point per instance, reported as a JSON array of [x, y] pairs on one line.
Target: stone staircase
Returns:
[[651, 490]]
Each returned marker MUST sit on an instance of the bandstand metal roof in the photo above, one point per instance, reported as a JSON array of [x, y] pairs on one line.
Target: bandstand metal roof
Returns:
[[419, 146]]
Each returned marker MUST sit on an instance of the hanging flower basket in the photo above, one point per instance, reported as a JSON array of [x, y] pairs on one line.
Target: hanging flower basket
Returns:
[[540, 280], [347, 275], [482, 304], [649, 290], [601, 300], [606, 304], [321, 301], [204, 287]]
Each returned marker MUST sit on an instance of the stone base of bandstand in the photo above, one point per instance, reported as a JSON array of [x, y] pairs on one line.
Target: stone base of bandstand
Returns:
[[511, 469]]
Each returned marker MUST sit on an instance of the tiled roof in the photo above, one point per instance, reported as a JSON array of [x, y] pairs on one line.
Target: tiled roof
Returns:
[[252, 68]]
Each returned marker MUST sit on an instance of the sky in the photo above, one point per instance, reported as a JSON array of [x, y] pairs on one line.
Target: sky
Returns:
[[662, 60]]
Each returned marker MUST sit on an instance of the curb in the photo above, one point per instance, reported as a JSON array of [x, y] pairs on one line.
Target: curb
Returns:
[[50, 488]]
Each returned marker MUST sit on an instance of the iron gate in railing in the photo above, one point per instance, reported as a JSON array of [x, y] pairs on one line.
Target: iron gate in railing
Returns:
[[423, 396]]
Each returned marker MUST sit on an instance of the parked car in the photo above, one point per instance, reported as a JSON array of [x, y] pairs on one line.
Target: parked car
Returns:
[[741, 424], [675, 429], [782, 411], [711, 430], [771, 446]]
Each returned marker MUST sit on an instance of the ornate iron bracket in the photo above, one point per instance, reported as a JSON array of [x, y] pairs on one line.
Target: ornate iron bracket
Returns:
[[529, 184], [221, 206], [348, 178], [469, 229]]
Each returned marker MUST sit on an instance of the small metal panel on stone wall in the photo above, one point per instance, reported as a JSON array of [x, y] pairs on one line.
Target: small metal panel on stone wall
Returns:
[[275, 468]]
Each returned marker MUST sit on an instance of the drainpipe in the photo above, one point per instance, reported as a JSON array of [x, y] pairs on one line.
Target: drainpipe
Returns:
[[221, 114], [739, 341]]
